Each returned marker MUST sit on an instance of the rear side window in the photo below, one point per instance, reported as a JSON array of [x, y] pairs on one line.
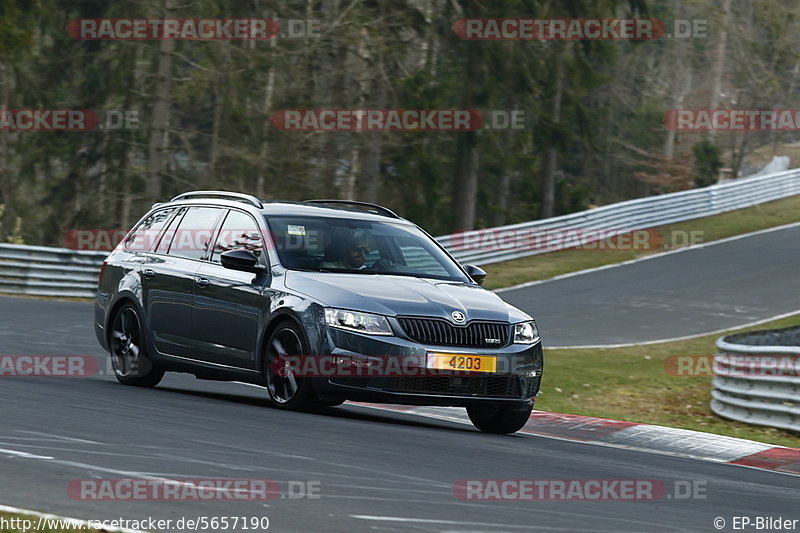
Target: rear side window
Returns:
[[146, 234], [238, 232], [169, 233], [193, 236]]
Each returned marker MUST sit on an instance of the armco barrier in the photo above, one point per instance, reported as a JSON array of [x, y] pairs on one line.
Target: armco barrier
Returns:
[[43, 271], [641, 213], [767, 398], [38, 270]]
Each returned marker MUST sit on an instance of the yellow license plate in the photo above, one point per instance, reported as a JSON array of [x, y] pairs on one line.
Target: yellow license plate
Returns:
[[462, 362]]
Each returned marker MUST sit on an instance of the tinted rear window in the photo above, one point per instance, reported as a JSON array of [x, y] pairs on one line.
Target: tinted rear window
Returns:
[[193, 236], [144, 237]]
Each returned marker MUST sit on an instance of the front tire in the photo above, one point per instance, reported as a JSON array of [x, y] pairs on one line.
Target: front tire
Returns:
[[286, 389], [128, 350], [499, 419]]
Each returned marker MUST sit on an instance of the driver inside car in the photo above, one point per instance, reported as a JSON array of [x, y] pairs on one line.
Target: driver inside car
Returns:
[[352, 253]]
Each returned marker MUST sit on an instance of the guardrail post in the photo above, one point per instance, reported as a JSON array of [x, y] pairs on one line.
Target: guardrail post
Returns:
[[710, 193]]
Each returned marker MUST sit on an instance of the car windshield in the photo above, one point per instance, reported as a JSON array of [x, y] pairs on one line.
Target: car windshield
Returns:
[[323, 244]]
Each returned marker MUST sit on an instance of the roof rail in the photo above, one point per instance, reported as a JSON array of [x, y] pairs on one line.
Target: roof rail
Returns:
[[375, 208], [252, 200]]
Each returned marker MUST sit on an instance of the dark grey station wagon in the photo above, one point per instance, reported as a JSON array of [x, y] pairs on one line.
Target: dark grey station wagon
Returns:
[[319, 302]]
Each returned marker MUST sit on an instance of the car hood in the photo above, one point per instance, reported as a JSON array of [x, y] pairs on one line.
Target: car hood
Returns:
[[403, 295]]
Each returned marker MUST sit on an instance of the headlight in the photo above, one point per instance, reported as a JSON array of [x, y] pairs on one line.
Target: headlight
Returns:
[[355, 321], [526, 333]]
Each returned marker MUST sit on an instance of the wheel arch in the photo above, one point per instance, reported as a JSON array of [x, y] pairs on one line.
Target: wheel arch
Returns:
[[279, 316], [122, 298]]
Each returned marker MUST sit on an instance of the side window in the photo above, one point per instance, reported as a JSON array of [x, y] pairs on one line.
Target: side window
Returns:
[[169, 233], [301, 243], [193, 236], [145, 235], [239, 231]]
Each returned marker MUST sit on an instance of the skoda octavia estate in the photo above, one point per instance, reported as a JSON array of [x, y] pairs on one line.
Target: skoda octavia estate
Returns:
[[320, 302]]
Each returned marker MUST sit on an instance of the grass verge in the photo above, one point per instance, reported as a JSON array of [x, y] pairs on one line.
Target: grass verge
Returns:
[[548, 265], [632, 384]]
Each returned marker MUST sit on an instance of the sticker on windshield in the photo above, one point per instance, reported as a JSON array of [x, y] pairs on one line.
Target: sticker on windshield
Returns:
[[295, 230]]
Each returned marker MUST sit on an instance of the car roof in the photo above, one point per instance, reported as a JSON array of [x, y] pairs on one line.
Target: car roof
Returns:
[[357, 210], [280, 208]]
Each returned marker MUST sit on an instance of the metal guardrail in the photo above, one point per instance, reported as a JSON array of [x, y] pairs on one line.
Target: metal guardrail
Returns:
[[478, 247], [43, 271], [760, 381]]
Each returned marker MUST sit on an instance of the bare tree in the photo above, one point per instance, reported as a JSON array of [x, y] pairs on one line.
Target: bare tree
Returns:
[[160, 114]]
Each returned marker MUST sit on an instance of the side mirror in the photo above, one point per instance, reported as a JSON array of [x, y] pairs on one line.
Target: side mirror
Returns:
[[243, 260], [476, 273]]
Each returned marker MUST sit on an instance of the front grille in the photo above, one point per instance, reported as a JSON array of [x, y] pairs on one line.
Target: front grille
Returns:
[[441, 332], [491, 386]]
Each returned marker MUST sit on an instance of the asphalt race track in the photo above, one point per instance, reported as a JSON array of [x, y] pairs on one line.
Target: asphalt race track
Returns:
[[382, 471], [704, 289]]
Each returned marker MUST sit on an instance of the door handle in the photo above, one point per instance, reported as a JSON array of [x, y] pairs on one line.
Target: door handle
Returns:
[[148, 272], [203, 282]]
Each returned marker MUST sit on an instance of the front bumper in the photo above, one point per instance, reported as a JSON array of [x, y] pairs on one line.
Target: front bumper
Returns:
[[517, 379]]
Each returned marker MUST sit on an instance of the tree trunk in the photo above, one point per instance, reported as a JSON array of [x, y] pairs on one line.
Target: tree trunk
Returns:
[[466, 186], [326, 70], [7, 212], [467, 156], [160, 116], [211, 178], [551, 155], [125, 207], [361, 77], [718, 67], [370, 178], [264, 152], [681, 81], [129, 151]]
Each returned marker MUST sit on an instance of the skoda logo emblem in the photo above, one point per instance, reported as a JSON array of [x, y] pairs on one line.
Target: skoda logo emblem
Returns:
[[458, 317]]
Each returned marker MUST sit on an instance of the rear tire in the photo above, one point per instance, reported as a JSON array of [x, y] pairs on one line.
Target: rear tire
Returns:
[[128, 349], [287, 390], [499, 419]]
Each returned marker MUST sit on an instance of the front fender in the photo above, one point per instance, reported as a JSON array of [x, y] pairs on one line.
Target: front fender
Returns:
[[309, 315]]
